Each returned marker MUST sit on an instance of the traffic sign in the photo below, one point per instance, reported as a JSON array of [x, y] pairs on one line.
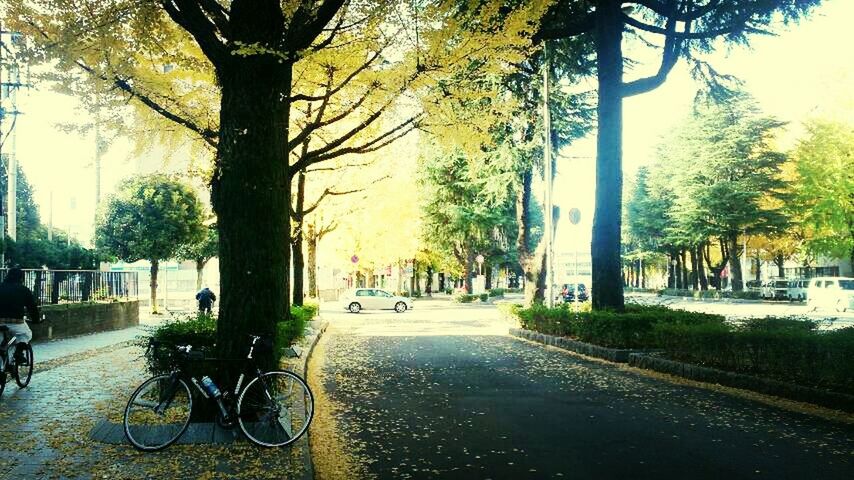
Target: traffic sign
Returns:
[[354, 259], [574, 216]]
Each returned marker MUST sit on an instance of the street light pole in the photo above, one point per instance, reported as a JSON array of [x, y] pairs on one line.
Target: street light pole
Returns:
[[547, 155]]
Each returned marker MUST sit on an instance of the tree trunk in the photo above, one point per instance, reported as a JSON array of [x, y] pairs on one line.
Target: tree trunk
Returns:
[[469, 266], [605, 251], [312, 241], [671, 277], [734, 264], [488, 272], [428, 282], [535, 279], [298, 258], [442, 282], [677, 270], [251, 189], [200, 270], [758, 263], [155, 267], [695, 280], [684, 270], [780, 262], [701, 272]]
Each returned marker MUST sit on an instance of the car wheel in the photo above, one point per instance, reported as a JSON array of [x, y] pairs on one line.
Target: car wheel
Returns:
[[399, 307], [840, 307], [354, 307], [811, 306]]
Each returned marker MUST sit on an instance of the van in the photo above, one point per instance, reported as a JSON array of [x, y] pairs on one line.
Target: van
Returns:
[[831, 292], [775, 289], [797, 291]]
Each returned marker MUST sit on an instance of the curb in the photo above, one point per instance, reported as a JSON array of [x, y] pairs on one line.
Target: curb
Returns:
[[322, 325], [824, 398], [616, 355]]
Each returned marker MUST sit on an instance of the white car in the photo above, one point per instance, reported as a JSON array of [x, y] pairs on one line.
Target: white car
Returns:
[[360, 299], [777, 289], [831, 292]]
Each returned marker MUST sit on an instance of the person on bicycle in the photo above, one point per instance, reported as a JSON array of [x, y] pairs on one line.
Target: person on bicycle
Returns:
[[206, 298], [16, 300]]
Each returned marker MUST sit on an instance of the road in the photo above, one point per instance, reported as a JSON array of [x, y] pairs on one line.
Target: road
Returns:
[[443, 392], [740, 309]]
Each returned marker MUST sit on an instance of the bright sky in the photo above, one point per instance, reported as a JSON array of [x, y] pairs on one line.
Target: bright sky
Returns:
[[805, 71]]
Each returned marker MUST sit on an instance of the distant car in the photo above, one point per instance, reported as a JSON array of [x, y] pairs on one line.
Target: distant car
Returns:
[[798, 289], [568, 292], [775, 290], [831, 292], [360, 299], [753, 286]]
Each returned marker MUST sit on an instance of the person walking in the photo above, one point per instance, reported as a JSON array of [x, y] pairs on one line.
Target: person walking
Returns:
[[15, 301], [206, 298]]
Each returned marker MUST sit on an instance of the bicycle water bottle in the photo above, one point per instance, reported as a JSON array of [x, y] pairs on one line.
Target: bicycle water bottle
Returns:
[[211, 387]]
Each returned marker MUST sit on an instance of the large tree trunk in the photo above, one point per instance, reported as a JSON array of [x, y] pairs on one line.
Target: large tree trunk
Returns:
[[155, 267], [607, 292], [677, 270], [695, 281], [734, 264], [701, 272], [780, 262], [469, 267], [428, 285], [488, 273], [312, 261], [442, 286], [251, 187], [535, 278], [297, 241], [200, 271], [684, 271]]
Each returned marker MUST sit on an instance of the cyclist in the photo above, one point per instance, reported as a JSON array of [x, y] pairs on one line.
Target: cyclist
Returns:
[[16, 300]]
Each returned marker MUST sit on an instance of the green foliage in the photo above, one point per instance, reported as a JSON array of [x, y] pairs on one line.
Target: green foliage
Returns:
[[775, 348], [824, 191], [632, 329], [149, 218], [713, 294], [203, 250], [464, 298], [484, 297], [199, 330], [496, 292]]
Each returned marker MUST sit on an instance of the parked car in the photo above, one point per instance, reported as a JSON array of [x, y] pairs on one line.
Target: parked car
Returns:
[[831, 292], [777, 289], [798, 289], [568, 292], [360, 299], [753, 286]]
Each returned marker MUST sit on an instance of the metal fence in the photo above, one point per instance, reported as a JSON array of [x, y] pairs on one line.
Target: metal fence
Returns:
[[75, 286]]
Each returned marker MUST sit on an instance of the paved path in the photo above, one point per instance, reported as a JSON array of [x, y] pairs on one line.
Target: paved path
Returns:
[[436, 399], [45, 427]]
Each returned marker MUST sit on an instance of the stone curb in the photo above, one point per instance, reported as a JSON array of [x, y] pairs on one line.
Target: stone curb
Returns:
[[320, 326], [765, 386], [616, 355]]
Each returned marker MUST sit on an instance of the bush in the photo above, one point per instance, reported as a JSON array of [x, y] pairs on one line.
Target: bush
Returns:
[[484, 297], [448, 291], [496, 292], [714, 294], [630, 329], [199, 330], [777, 348], [464, 298]]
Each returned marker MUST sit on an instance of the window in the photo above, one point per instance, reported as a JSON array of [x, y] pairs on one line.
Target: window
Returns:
[[364, 293], [828, 283], [381, 293], [847, 284]]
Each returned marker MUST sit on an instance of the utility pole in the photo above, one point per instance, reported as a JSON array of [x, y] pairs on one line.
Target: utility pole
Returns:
[[547, 154]]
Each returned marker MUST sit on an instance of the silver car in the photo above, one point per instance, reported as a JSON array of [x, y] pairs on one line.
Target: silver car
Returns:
[[360, 299]]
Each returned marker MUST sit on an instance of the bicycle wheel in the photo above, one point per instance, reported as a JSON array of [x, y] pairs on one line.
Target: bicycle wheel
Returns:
[[158, 413], [275, 409], [23, 368]]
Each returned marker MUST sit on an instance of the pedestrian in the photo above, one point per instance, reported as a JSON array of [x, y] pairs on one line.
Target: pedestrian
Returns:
[[206, 298], [16, 300]]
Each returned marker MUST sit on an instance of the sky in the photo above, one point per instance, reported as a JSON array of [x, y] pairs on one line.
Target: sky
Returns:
[[804, 71]]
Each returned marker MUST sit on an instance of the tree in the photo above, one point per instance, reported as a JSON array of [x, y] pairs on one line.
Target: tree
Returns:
[[824, 190], [200, 252], [149, 218], [686, 27], [226, 74]]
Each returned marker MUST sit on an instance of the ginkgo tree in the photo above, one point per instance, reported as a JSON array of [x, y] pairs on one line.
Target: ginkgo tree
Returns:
[[226, 73]]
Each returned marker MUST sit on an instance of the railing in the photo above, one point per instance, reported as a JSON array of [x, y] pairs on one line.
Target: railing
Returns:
[[76, 286]]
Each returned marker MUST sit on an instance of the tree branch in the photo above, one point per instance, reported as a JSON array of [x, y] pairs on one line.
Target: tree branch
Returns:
[[659, 7], [302, 38], [189, 15], [672, 49]]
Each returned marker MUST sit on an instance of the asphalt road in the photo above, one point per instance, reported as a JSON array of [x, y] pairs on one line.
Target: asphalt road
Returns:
[[442, 392]]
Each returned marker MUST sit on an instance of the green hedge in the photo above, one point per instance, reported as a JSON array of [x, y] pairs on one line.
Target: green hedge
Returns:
[[199, 330], [631, 329], [496, 292], [464, 298], [783, 349], [715, 294]]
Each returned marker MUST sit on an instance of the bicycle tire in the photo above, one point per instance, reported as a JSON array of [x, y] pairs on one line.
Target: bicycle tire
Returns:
[[23, 380], [143, 431], [277, 419]]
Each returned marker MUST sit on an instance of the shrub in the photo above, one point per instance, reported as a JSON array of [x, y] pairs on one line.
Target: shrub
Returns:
[[448, 291], [484, 297], [496, 292], [464, 298], [715, 294]]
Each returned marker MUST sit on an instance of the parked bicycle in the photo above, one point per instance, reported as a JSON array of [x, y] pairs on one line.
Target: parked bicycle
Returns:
[[21, 364], [273, 409]]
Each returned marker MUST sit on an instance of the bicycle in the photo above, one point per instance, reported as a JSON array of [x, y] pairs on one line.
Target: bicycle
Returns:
[[21, 368], [273, 409]]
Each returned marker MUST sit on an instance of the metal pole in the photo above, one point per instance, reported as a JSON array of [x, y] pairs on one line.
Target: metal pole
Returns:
[[547, 155]]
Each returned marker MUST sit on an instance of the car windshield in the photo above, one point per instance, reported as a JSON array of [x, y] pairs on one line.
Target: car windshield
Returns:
[[846, 284], [782, 284]]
